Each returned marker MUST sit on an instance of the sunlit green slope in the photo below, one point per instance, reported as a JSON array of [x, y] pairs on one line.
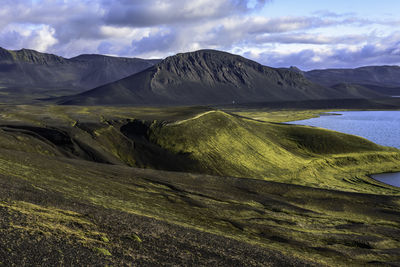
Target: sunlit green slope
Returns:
[[225, 144], [198, 141]]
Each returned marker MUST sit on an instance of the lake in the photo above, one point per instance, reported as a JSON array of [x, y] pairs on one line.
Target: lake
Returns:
[[381, 127]]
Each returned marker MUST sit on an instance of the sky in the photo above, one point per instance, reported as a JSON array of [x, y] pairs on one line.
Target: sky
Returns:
[[308, 34]]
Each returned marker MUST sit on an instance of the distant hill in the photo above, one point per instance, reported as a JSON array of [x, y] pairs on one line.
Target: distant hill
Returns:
[[381, 79], [31, 72], [105, 69], [207, 77]]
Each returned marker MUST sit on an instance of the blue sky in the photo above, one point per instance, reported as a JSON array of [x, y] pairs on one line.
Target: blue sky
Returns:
[[308, 34], [363, 8]]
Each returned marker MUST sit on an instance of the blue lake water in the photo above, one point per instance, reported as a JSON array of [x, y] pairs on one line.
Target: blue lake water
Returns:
[[381, 127]]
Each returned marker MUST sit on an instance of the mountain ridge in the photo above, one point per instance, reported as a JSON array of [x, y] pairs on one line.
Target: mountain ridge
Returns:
[[200, 77], [206, 77], [29, 56], [31, 74], [385, 75]]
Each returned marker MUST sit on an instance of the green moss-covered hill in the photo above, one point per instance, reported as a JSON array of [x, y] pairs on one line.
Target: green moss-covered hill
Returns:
[[70, 193], [225, 144], [210, 142]]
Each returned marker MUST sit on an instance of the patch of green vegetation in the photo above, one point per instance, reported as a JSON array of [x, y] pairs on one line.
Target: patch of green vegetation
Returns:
[[105, 239], [58, 222], [103, 251], [136, 238], [278, 115]]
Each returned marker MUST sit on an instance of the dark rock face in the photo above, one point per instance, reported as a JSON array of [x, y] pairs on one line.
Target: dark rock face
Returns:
[[213, 67], [206, 77], [34, 57], [31, 72]]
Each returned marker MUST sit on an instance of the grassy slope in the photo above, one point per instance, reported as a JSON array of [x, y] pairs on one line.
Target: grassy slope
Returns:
[[213, 142], [269, 115], [227, 145], [92, 213]]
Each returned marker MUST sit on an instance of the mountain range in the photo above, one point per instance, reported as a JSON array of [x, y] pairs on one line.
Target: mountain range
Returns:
[[372, 75], [33, 73], [210, 77], [196, 78], [381, 79]]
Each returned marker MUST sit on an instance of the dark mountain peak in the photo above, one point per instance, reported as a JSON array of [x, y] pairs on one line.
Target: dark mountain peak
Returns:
[[30, 56], [87, 56], [206, 52], [204, 66], [97, 57], [296, 69], [204, 77], [212, 67], [210, 57], [30, 73]]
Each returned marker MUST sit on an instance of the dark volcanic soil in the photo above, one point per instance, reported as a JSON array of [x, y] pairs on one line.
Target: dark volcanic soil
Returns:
[[161, 244]]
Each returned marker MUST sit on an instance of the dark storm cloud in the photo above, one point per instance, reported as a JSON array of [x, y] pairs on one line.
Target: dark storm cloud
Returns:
[[153, 12], [11, 38], [237, 30], [75, 20], [259, 30], [164, 41]]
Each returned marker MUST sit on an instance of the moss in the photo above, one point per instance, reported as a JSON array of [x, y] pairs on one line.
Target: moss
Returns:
[[278, 116], [136, 238], [227, 145], [103, 251], [53, 221], [104, 239]]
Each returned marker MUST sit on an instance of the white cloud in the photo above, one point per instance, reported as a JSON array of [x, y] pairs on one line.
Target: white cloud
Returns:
[[42, 39], [130, 33]]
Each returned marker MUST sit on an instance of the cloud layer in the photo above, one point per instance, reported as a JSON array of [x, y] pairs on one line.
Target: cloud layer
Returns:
[[158, 28]]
